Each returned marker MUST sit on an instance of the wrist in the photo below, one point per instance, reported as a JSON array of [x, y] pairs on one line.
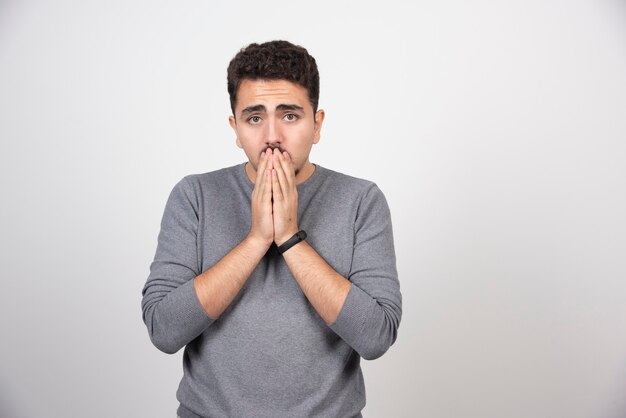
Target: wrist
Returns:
[[258, 242], [285, 237], [293, 240]]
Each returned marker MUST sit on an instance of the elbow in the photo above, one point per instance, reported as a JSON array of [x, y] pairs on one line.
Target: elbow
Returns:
[[383, 339], [159, 336], [373, 354], [166, 348], [164, 344], [376, 347]]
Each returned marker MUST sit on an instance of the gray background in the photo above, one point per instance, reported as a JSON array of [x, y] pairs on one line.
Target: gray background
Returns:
[[495, 129]]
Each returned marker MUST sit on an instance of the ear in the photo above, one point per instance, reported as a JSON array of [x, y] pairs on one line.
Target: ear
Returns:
[[319, 119], [233, 124]]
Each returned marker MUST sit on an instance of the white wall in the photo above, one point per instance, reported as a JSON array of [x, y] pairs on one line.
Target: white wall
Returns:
[[495, 129]]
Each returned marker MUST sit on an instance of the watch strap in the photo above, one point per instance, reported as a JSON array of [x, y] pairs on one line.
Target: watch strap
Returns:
[[296, 238]]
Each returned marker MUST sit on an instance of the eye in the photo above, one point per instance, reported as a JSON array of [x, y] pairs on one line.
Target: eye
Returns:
[[290, 117], [254, 120]]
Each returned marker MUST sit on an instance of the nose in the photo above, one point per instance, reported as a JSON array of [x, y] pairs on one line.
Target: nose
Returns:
[[273, 137]]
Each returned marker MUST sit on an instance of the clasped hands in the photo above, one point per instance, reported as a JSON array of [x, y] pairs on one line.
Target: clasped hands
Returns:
[[274, 199]]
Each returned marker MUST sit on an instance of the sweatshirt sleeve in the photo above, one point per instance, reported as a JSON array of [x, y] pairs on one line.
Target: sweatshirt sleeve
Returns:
[[370, 316], [171, 309]]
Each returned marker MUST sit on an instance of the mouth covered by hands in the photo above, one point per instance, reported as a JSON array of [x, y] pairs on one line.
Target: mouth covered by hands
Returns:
[[274, 198]]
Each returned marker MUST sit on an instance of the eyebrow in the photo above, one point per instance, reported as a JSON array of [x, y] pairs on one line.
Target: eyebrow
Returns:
[[280, 108], [252, 109]]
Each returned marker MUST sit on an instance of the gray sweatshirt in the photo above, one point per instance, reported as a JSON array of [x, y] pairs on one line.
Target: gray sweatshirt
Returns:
[[270, 354]]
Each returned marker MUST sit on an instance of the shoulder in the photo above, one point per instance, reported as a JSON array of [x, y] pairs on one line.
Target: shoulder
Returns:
[[200, 183], [346, 184], [215, 177], [192, 187], [368, 200]]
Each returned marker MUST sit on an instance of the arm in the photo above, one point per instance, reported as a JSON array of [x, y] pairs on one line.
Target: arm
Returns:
[[171, 310], [325, 289], [178, 302], [217, 287], [365, 310], [323, 286], [370, 317]]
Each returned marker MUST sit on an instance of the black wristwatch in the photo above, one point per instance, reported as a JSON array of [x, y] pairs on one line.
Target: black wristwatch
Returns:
[[297, 237]]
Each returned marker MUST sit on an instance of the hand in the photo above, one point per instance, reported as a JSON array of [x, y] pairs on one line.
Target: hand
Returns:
[[262, 228], [285, 195]]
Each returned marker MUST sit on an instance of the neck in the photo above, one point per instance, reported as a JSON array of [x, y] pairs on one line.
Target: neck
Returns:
[[306, 172]]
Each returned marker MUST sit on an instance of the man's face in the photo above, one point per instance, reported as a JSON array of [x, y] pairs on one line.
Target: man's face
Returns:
[[275, 114]]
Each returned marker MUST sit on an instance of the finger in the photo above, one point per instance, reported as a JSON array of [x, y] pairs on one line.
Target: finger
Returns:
[[267, 187], [261, 169], [260, 183], [282, 177], [258, 190], [288, 168], [270, 160], [276, 190]]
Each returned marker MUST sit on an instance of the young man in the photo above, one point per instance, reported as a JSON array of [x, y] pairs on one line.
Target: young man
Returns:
[[277, 275]]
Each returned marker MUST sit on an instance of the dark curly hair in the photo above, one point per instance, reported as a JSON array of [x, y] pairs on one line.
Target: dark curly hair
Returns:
[[275, 60]]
